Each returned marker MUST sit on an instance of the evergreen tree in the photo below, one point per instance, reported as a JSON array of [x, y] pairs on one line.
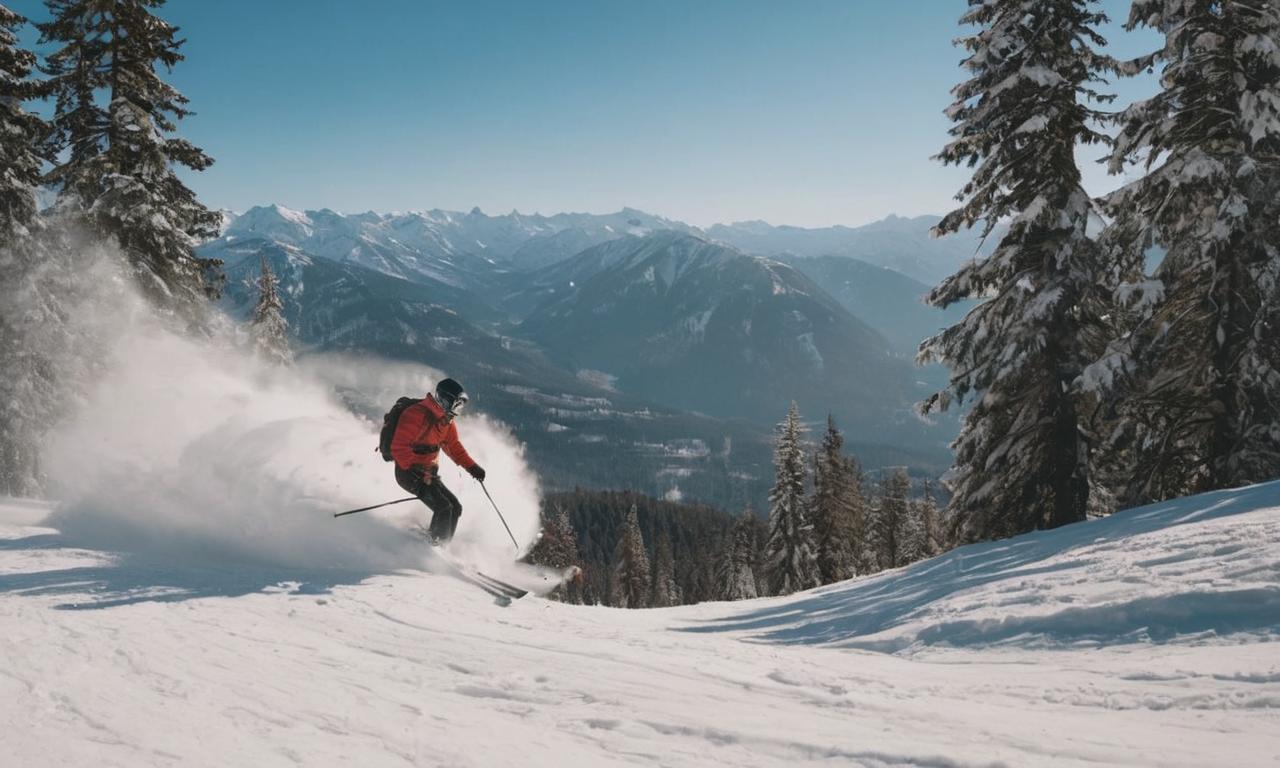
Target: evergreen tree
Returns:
[[595, 585], [914, 537], [872, 546], [892, 523], [1194, 387], [118, 170], [736, 577], [558, 548], [666, 592], [930, 523], [1021, 458], [696, 532], [20, 136], [269, 329], [791, 561], [863, 544], [835, 505], [700, 583], [631, 576], [26, 308], [77, 72]]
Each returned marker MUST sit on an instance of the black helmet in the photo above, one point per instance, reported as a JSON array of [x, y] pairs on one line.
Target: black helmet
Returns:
[[451, 396]]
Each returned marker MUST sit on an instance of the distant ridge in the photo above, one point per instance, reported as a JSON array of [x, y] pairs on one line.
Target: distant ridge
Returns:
[[679, 318], [442, 244], [903, 244]]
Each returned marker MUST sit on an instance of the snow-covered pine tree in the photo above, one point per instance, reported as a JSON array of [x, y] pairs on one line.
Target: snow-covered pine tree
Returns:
[[863, 540], [665, 590], [118, 170], [558, 548], [77, 73], [1195, 386], [1021, 461], [790, 557], [21, 135], [268, 328], [930, 522], [872, 545], [889, 525], [630, 585], [735, 576], [914, 538], [26, 382], [835, 508]]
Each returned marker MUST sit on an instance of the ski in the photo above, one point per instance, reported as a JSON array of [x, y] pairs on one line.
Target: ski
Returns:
[[501, 597], [509, 589], [494, 586]]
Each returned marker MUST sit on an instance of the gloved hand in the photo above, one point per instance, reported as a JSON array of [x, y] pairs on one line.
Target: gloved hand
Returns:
[[477, 472]]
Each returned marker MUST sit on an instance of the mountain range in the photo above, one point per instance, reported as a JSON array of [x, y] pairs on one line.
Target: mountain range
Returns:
[[444, 246], [626, 350], [905, 245], [676, 318]]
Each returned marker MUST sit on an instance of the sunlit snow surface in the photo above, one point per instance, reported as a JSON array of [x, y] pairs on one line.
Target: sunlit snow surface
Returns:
[[1144, 639]]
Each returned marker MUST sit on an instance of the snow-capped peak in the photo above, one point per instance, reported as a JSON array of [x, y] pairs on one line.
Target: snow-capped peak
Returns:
[[273, 222]]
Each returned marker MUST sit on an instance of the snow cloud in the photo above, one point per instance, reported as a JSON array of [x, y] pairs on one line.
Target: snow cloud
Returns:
[[194, 449]]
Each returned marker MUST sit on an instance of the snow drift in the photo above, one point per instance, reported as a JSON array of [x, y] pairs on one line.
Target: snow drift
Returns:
[[190, 449], [1201, 568]]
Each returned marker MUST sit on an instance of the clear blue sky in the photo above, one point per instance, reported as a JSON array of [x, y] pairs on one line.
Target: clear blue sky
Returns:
[[808, 113]]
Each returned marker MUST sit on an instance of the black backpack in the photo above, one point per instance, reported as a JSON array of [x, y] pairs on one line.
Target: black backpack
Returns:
[[389, 423]]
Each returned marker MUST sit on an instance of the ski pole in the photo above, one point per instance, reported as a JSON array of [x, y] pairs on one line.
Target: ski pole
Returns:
[[375, 506], [500, 517]]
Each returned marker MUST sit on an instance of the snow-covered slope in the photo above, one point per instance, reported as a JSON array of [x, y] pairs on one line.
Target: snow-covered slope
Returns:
[[1143, 639]]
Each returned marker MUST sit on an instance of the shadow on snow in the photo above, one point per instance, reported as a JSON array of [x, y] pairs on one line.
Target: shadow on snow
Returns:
[[136, 578], [844, 614]]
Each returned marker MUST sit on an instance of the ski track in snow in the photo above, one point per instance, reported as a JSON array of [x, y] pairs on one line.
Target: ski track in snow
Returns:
[[1144, 639]]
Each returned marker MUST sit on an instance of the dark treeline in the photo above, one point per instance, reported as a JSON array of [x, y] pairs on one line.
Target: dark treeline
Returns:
[[828, 522], [600, 522]]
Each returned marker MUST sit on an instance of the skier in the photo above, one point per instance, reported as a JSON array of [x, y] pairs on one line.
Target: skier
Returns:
[[426, 428]]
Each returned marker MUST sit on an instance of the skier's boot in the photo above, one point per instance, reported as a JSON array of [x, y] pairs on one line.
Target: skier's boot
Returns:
[[425, 533], [439, 533]]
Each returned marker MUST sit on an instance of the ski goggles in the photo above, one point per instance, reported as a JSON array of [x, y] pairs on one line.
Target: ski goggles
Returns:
[[459, 402]]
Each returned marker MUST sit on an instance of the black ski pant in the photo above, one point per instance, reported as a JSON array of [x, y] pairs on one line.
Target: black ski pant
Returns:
[[445, 507]]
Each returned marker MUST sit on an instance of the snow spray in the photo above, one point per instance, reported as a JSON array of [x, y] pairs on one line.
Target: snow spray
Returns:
[[192, 448]]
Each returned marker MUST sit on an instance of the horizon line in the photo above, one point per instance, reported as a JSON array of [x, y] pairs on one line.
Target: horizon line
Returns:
[[476, 210]]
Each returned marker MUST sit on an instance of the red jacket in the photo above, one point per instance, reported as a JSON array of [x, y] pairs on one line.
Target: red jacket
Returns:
[[424, 423]]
